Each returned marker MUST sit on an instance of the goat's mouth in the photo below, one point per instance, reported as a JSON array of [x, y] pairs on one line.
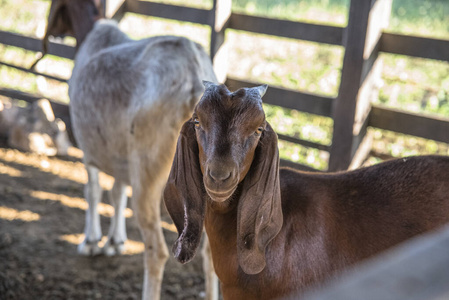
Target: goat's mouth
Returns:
[[220, 196]]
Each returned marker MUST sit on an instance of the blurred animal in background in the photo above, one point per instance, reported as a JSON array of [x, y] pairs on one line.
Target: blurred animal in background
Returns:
[[33, 128], [275, 231], [128, 100]]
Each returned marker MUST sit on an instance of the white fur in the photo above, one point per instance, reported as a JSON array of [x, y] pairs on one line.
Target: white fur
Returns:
[[128, 102]]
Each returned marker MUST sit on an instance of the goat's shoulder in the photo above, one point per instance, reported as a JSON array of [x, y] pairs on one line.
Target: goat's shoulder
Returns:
[[299, 189], [171, 50], [105, 34]]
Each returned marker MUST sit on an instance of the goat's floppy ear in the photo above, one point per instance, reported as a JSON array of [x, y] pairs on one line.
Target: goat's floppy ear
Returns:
[[183, 195], [259, 217]]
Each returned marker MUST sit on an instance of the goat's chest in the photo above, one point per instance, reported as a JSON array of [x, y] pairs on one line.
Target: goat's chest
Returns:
[[223, 244]]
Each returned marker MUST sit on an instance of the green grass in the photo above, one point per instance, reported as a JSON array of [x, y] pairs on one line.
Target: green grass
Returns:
[[420, 17], [417, 85]]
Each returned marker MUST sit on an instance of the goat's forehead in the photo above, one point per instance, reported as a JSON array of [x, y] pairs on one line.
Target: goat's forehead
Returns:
[[221, 102]]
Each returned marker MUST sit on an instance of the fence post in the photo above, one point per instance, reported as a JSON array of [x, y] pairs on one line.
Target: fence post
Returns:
[[220, 15], [115, 9], [350, 143]]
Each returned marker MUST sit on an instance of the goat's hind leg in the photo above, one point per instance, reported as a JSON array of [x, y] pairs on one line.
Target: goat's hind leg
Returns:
[[146, 205], [92, 228], [117, 230]]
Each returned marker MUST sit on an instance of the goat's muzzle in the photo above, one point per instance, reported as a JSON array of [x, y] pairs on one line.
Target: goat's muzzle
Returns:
[[220, 180]]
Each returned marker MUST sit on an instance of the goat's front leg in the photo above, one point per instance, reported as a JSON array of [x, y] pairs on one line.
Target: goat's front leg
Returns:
[[92, 228], [117, 230], [147, 197], [210, 278]]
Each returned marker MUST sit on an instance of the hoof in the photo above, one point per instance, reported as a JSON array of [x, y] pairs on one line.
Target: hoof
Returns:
[[111, 248], [89, 248]]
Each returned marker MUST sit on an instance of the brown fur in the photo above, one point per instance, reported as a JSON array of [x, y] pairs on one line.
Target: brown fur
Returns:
[[328, 221]]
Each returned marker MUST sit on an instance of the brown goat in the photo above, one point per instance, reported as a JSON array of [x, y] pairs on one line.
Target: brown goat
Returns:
[[275, 231]]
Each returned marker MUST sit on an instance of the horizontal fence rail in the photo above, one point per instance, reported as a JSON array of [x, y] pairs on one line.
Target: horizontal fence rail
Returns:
[[33, 72], [430, 127], [35, 44], [289, 29], [414, 46], [314, 104], [168, 11]]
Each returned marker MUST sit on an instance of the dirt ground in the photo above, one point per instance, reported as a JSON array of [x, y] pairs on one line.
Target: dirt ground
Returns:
[[41, 222]]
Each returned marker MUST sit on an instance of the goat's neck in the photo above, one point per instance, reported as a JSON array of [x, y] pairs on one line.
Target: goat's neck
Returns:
[[226, 206], [221, 227]]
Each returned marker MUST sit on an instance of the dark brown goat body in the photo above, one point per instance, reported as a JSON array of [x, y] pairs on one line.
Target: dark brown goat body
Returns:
[[293, 229], [332, 221]]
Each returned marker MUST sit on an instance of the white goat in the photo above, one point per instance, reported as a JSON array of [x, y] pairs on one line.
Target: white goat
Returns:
[[128, 100]]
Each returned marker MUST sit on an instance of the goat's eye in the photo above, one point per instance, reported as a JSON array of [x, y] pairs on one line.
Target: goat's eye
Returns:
[[196, 122], [259, 130]]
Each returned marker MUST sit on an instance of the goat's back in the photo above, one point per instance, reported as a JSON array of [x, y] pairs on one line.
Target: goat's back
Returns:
[[399, 197], [129, 94], [334, 220]]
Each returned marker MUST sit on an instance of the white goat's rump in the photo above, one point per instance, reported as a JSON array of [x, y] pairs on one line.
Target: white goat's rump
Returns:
[[128, 100]]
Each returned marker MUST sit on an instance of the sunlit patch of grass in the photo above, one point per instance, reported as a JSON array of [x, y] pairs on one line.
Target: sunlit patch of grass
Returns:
[[299, 124], [12, 214], [139, 26], [418, 85], [311, 157], [420, 17], [299, 65], [332, 12], [23, 16], [27, 82], [397, 145]]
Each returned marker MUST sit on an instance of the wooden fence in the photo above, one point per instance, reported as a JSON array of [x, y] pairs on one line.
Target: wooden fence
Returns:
[[363, 39]]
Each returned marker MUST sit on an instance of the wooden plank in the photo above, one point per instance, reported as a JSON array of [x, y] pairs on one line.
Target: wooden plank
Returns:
[[415, 46], [417, 269], [367, 92], [34, 44], [379, 18], [166, 11], [309, 103], [219, 52], [343, 143], [116, 9], [33, 72], [429, 127], [363, 150], [303, 142], [296, 30]]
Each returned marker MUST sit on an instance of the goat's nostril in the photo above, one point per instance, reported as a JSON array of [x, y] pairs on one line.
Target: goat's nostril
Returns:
[[219, 176]]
